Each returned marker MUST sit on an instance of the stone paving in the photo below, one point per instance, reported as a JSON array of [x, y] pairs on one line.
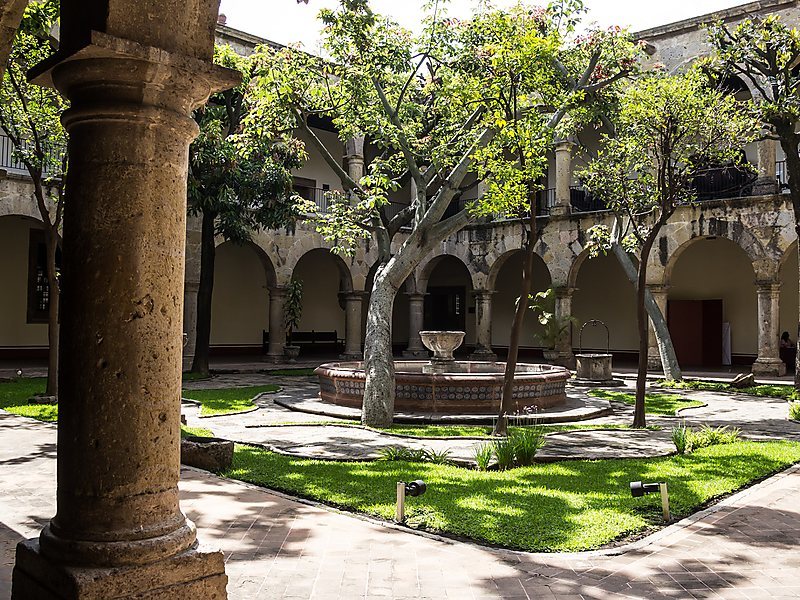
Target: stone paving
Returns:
[[759, 418], [279, 548]]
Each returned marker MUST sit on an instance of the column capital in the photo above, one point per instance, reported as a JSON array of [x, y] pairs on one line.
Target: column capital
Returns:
[[563, 291], [418, 296], [657, 288], [278, 290], [564, 145], [353, 295], [483, 293], [768, 286]]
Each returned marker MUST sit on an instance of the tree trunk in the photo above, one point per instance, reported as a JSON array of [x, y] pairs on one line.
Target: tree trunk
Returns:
[[639, 420], [205, 291], [51, 245], [378, 403], [507, 397], [669, 361]]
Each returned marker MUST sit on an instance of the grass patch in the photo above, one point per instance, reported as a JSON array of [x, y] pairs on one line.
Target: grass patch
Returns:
[[486, 431], [655, 404], [14, 397], [567, 506], [767, 391], [227, 401], [292, 372], [195, 431]]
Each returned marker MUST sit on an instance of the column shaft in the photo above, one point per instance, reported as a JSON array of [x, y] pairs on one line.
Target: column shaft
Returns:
[[483, 326], [354, 302], [660, 295], [277, 329], [767, 182], [768, 361], [563, 151], [416, 314], [563, 311]]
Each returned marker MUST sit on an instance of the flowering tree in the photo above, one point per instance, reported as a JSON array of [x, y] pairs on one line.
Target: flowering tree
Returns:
[[665, 127], [237, 183], [466, 102], [765, 52], [30, 117]]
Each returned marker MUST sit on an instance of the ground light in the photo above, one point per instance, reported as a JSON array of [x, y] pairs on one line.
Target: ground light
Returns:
[[413, 489], [639, 489]]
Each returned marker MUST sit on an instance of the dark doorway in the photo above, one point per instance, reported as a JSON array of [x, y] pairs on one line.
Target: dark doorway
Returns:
[[696, 330], [445, 308]]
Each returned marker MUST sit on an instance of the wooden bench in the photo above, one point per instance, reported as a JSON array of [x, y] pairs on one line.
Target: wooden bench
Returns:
[[312, 338]]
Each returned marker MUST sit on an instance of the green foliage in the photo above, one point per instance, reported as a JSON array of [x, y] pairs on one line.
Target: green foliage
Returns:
[[543, 304], [680, 437], [713, 436], [794, 411], [655, 404], [30, 115], [418, 455], [227, 401], [241, 178], [565, 506], [486, 432], [504, 453], [527, 442], [293, 307], [486, 95], [665, 129], [766, 390], [483, 456], [15, 398]]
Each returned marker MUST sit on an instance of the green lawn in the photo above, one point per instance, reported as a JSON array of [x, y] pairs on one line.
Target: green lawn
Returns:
[[227, 401], [768, 391], [566, 506], [196, 431], [189, 376], [655, 404], [14, 398]]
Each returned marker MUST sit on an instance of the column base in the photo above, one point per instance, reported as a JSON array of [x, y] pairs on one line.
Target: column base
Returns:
[[275, 358], [416, 353], [765, 187], [560, 210], [654, 363], [769, 366], [197, 573], [483, 354]]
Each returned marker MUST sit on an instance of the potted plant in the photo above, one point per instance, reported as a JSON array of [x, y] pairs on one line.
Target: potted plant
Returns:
[[553, 327], [292, 311]]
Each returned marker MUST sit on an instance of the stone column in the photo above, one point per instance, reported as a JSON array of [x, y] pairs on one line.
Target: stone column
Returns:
[[563, 310], [660, 295], [191, 286], [769, 361], [416, 314], [354, 302], [767, 182], [119, 530], [563, 151], [277, 328], [483, 326], [354, 157]]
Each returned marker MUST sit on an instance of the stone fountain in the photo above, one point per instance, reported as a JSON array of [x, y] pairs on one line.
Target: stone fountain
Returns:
[[445, 386]]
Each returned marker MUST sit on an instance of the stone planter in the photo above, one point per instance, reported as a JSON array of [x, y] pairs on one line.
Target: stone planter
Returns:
[[291, 353], [550, 355], [209, 454]]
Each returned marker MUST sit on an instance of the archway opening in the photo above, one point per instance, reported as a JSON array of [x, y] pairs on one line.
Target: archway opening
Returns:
[[448, 301], [24, 302], [240, 301], [507, 283], [788, 276], [603, 292], [325, 277], [712, 305]]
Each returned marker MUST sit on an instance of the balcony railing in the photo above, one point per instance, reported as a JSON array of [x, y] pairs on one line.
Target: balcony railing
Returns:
[[320, 197], [583, 201], [52, 160], [782, 176], [723, 182]]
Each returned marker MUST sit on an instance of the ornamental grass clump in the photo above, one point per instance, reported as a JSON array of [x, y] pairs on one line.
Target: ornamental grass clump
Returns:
[[526, 443], [420, 455], [504, 453], [687, 440], [680, 437], [794, 411], [484, 453]]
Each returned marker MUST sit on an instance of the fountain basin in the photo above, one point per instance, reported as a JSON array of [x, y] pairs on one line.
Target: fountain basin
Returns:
[[468, 388]]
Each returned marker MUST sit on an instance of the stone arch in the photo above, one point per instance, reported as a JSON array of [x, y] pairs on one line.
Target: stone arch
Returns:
[[354, 270], [426, 268], [500, 261], [345, 276]]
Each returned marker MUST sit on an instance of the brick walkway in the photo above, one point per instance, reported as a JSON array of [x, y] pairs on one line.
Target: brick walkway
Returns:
[[278, 548]]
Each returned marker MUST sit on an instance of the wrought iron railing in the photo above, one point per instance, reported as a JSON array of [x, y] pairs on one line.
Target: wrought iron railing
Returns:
[[782, 176], [8, 161], [584, 201], [716, 183]]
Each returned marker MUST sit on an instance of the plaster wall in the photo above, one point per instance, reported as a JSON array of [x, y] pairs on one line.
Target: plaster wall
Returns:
[[15, 331], [240, 303]]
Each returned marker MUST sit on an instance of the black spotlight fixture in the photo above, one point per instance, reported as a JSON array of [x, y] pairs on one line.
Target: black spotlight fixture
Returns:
[[639, 489], [412, 489]]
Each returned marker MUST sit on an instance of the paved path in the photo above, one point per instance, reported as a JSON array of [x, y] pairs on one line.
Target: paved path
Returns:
[[278, 548], [759, 418]]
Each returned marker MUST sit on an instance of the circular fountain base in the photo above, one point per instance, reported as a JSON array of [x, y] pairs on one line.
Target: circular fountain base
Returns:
[[467, 388]]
